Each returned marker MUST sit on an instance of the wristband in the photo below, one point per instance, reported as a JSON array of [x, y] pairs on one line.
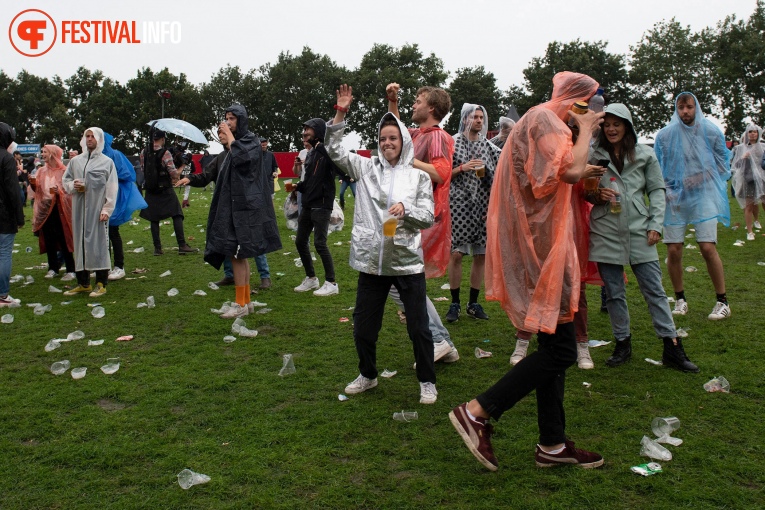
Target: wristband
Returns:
[[340, 108]]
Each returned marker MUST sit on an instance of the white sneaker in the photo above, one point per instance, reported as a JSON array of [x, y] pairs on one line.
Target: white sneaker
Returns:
[[360, 385], [236, 311], [719, 312], [50, 274], [9, 302], [681, 307], [750, 236], [328, 289], [428, 393], [583, 358], [452, 356], [308, 284], [441, 349], [68, 277], [521, 346], [116, 273], [757, 225]]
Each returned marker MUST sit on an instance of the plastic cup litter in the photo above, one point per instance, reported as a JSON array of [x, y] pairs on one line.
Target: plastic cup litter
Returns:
[[229, 338], [98, 312], [405, 416], [112, 365], [7, 319], [40, 310], [200, 293], [166, 273], [212, 286], [289, 365], [51, 288], [480, 353], [150, 302], [188, 478], [652, 449], [665, 426], [75, 335], [172, 292], [52, 345], [92, 343], [718, 384], [59, 367], [79, 372], [388, 374]]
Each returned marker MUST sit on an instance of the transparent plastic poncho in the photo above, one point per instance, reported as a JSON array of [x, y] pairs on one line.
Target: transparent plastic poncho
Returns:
[[748, 175], [694, 161], [532, 267]]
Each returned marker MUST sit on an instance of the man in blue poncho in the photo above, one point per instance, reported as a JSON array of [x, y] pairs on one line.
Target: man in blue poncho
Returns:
[[129, 200], [694, 160]]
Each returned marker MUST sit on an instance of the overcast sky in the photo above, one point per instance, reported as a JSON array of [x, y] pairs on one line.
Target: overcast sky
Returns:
[[503, 36]]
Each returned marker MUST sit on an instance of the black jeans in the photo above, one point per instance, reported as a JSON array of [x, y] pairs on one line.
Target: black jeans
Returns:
[[367, 320], [318, 221], [55, 241], [177, 226], [545, 372], [83, 277], [116, 239]]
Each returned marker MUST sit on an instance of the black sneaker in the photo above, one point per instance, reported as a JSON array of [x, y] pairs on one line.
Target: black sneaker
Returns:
[[158, 252], [453, 315], [475, 311], [183, 250]]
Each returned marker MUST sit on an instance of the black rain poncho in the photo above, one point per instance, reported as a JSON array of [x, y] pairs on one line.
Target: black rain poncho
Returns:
[[242, 221]]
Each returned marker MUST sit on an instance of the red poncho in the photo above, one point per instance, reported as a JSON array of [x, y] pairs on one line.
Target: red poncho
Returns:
[[47, 177]]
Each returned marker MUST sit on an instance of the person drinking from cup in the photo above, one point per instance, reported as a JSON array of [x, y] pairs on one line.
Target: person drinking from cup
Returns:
[[388, 185]]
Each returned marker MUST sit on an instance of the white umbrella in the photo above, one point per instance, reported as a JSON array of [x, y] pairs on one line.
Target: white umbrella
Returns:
[[180, 128]]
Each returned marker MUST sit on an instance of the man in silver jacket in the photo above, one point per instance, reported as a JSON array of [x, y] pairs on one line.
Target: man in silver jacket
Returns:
[[388, 185]]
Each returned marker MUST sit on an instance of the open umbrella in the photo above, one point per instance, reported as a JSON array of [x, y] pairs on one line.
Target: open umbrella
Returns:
[[180, 128]]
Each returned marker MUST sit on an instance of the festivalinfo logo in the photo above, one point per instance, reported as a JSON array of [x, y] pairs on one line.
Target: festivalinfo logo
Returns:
[[34, 32]]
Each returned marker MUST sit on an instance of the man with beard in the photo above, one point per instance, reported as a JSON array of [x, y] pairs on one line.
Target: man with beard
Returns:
[[475, 159]]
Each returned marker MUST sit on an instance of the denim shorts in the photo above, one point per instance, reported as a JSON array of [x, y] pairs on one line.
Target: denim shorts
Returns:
[[706, 232], [470, 249]]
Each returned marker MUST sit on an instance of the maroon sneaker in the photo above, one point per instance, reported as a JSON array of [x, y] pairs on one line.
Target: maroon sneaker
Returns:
[[477, 436], [569, 456]]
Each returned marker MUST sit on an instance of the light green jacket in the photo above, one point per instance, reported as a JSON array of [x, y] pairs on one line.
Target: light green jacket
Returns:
[[623, 238]]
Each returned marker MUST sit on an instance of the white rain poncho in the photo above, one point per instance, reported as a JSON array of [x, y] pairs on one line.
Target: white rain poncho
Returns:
[[748, 176], [91, 238], [468, 193], [505, 126], [694, 162]]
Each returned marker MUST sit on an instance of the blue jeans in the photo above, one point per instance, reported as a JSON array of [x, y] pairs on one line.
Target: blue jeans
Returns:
[[260, 261], [6, 252], [437, 329], [344, 185], [648, 276]]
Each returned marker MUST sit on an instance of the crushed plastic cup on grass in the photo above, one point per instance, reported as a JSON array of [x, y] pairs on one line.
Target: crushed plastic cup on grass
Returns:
[[237, 325], [263, 310], [141, 305], [229, 338], [200, 293], [59, 367], [597, 343], [91, 343], [112, 365], [663, 429], [442, 298], [648, 469], [150, 302], [288, 367], [166, 273], [40, 310], [98, 312], [139, 250], [480, 353], [7, 319], [690, 269], [342, 398], [225, 307], [682, 333], [51, 288], [212, 286], [28, 280], [405, 416], [52, 345], [761, 263], [75, 335], [718, 384], [445, 286], [344, 319], [188, 478], [652, 449], [124, 338], [257, 304], [79, 372], [670, 299], [172, 292], [298, 262], [388, 374], [739, 243], [654, 362]]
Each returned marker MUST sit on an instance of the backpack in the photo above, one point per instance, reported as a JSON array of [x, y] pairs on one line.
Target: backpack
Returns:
[[156, 176]]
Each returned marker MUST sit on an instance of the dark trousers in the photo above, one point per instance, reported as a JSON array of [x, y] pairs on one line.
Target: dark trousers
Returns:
[[318, 221], [116, 239], [55, 241], [543, 371], [371, 296], [177, 226], [83, 277]]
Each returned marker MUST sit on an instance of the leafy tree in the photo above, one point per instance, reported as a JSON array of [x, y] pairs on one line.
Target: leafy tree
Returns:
[[592, 59], [668, 60], [474, 85], [384, 64]]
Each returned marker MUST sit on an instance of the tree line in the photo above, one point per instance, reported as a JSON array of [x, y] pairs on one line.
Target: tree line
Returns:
[[723, 65]]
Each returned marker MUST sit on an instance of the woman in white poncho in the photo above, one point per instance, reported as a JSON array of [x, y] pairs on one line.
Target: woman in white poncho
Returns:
[[748, 178]]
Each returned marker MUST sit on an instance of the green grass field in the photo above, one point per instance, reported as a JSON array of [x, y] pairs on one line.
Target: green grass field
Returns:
[[185, 399]]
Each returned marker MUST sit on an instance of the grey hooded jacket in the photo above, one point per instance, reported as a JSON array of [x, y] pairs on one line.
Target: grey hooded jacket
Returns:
[[378, 187]]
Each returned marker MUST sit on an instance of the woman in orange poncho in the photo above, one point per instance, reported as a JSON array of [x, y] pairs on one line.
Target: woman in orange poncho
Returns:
[[53, 213], [532, 268]]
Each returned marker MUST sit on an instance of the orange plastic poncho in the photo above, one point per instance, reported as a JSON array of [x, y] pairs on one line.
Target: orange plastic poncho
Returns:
[[532, 267], [435, 146], [47, 177]]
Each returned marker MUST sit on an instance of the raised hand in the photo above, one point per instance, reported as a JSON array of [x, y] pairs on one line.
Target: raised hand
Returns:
[[391, 92], [344, 96]]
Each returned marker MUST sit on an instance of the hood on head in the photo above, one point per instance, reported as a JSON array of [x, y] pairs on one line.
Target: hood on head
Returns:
[[621, 111], [55, 151], [241, 119], [319, 127], [745, 135], [407, 148], [506, 121], [699, 113], [99, 134], [568, 88], [7, 135], [108, 151], [465, 123]]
